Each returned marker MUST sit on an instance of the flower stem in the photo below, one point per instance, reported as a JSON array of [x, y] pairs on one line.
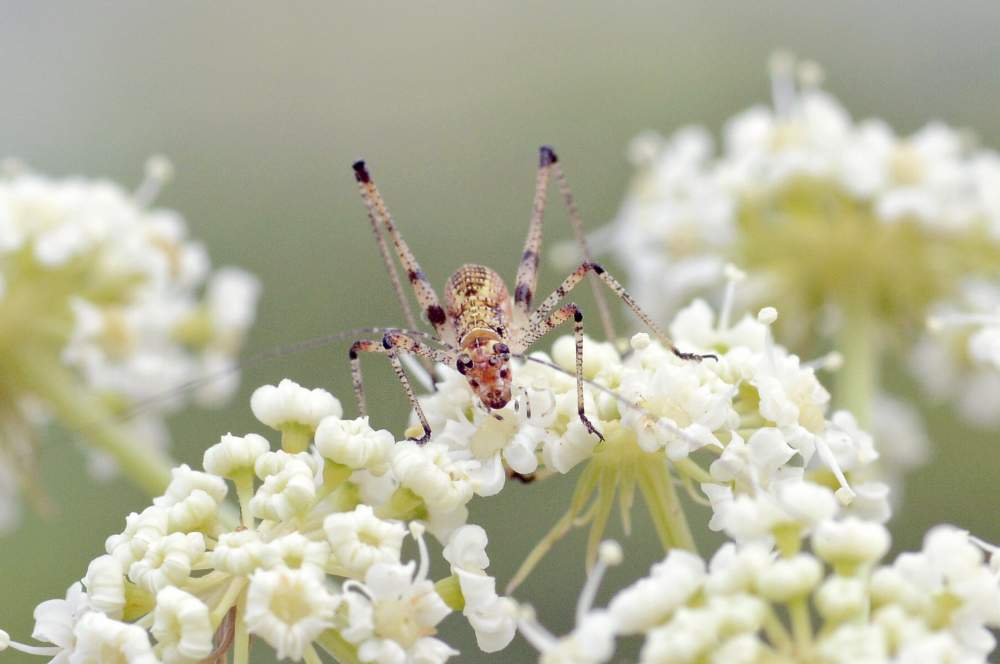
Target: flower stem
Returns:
[[80, 411], [333, 643], [665, 508], [241, 640], [798, 611], [244, 492], [857, 381]]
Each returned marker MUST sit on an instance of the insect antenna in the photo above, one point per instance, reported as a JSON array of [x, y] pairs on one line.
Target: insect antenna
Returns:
[[142, 405]]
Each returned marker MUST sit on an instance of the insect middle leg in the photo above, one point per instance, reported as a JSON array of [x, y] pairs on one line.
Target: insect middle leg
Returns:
[[539, 315], [539, 329], [426, 295], [391, 344]]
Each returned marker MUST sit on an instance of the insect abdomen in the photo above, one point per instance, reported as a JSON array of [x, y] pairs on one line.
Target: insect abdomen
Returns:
[[477, 298]]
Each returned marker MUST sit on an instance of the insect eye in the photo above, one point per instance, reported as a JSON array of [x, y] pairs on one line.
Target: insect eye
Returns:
[[463, 363]]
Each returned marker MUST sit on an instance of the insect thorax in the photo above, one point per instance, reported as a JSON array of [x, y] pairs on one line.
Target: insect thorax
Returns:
[[477, 299]]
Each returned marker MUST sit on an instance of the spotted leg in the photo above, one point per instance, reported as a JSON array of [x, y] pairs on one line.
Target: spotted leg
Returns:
[[539, 329], [425, 293], [541, 313], [527, 271], [392, 343]]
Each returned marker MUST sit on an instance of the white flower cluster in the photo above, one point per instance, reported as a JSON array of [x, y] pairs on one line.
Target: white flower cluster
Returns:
[[846, 223], [776, 459], [310, 565], [94, 279], [750, 605], [316, 561], [684, 214], [959, 356]]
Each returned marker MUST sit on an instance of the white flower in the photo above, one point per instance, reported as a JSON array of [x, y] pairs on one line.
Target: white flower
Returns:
[[168, 561], [181, 626], [296, 551], [234, 455], [289, 487], [289, 404], [55, 619], [790, 578], [592, 642], [288, 609], [754, 463], [395, 612], [493, 618], [101, 640], [359, 540], [192, 499], [857, 644], [686, 638], [650, 600], [353, 443], [851, 541], [431, 473], [241, 552], [105, 582], [141, 531], [840, 598]]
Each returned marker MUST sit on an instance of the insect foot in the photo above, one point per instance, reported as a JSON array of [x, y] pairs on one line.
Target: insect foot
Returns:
[[697, 357], [423, 439], [590, 427]]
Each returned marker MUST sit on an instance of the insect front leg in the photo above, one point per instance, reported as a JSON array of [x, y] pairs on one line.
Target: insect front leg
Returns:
[[589, 267], [392, 343], [538, 329]]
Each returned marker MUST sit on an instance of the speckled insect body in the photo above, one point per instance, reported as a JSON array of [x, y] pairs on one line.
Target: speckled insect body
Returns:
[[480, 326]]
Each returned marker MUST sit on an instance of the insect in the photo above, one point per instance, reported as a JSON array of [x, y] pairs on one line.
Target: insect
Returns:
[[480, 325]]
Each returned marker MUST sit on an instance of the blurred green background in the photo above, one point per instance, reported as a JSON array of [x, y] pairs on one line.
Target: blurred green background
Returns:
[[263, 106]]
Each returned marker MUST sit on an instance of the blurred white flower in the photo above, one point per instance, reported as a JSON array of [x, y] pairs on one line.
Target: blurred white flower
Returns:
[[858, 232], [116, 308]]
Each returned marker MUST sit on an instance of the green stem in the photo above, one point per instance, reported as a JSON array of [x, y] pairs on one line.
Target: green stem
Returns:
[[228, 600], [333, 643], [664, 507], [857, 381], [776, 632], [244, 492], [403, 505], [241, 639], [309, 656], [798, 611], [80, 411], [295, 438]]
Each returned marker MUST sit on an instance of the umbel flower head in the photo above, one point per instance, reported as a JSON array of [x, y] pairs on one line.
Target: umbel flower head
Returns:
[[315, 562], [105, 302], [750, 433], [858, 232], [330, 553], [836, 604]]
